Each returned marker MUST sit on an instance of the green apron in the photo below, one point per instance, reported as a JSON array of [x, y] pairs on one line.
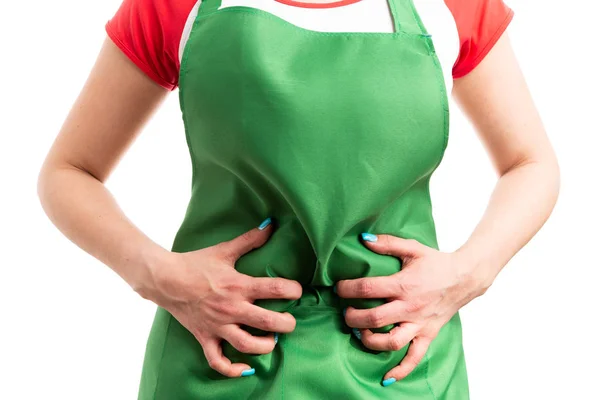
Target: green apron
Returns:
[[331, 135]]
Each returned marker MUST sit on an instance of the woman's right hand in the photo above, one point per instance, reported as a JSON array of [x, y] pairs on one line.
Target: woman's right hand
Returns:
[[205, 293]]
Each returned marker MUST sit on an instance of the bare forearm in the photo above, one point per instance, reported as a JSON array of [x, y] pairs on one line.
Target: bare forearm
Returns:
[[519, 205], [86, 212]]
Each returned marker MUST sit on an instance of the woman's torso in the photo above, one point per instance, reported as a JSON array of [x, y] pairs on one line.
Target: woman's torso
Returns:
[[331, 133]]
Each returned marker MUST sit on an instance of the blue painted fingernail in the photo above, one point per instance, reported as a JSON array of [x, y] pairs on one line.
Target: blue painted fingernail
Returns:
[[276, 337], [248, 372], [335, 289], [344, 311], [369, 237], [264, 224], [388, 381], [356, 333]]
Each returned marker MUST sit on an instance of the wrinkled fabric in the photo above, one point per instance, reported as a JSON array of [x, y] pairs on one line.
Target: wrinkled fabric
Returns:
[[331, 135]]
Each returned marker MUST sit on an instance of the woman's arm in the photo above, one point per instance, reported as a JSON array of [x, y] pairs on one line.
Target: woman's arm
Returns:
[[113, 106], [496, 99], [433, 285], [201, 288]]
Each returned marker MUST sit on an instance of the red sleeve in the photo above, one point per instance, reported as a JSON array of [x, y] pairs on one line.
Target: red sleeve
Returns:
[[149, 32], [480, 24]]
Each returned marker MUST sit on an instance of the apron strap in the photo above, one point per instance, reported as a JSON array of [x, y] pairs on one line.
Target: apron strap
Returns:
[[207, 6], [406, 18]]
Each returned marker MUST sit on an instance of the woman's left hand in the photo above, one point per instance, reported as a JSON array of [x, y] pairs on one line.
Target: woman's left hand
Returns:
[[431, 287]]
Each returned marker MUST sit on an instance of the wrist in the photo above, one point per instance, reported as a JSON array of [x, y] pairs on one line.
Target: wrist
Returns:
[[476, 273], [153, 261]]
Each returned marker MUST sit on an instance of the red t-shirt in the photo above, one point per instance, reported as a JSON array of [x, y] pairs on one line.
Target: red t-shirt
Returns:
[[152, 32]]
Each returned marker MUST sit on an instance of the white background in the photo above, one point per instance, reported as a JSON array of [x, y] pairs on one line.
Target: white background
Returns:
[[71, 329]]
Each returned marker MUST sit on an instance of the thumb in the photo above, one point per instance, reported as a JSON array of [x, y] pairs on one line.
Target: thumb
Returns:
[[249, 240], [394, 246]]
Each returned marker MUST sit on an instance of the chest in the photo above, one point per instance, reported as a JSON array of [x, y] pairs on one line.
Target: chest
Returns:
[[258, 91]]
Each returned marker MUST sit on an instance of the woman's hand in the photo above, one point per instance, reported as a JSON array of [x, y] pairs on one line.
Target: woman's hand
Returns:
[[205, 293], [431, 287]]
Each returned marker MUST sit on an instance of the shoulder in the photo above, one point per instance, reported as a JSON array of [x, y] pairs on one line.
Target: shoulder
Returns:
[[463, 31], [150, 32], [479, 23]]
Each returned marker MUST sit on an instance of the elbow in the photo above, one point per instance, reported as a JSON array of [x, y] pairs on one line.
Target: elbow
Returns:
[[550, 171], [44, 185], [555, 172], [549, 176], [42, 179], [50, 183], [544, 171]]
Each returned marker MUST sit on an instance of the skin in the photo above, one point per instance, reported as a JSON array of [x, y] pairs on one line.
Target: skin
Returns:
[[211, 302]]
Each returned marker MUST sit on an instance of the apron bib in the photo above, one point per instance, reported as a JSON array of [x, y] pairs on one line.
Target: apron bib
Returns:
[[331, 134]]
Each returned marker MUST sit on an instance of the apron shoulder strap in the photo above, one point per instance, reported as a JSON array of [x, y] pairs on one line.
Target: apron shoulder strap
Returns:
[[207, 6], [406, 18]]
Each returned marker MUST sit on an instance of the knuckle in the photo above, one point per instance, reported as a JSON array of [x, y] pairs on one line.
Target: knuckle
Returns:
[[375, 318], [225, 308], [404, 287], [411, 363], [277, 287], [390, 244], [364, 288], [259, 290], [246, 237], [387, 240], [243, 345], [398, 284], [395, 343], [368, 343], [233, 284], [229, 257], [413, 306], [212, 362], [267, 321]]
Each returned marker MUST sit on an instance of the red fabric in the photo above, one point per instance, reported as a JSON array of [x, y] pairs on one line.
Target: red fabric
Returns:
[[480, 24], [148, 32]]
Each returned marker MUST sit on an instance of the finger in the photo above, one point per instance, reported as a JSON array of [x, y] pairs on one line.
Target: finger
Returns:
[[245, 342], [414, 355], [376, 317], [247, 241], [261, 318], [373, 287], [393, 340], [273, 288], [217, 361], [394, 246]]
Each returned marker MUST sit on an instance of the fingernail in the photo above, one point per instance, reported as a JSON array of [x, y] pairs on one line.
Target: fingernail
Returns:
[[344, 311], [264, 224], [248, 372], [369, 237], [356, 333], [388, 381], [335, 289], [276, 337]]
